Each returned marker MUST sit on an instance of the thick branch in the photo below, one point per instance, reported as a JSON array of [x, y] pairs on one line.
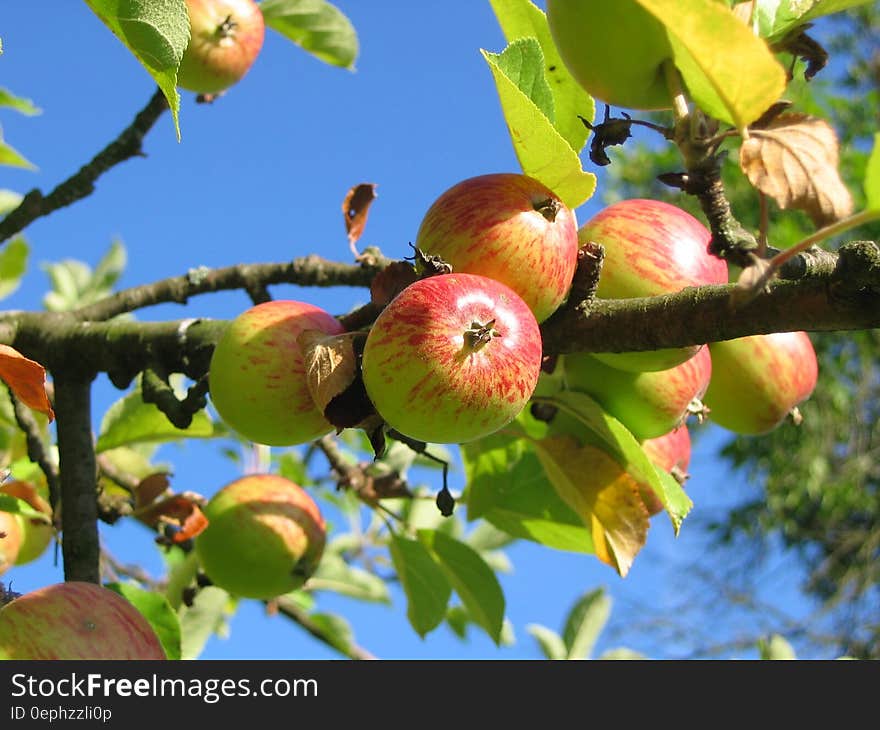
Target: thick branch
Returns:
[[128, 144], [78, 476], [306, 271]]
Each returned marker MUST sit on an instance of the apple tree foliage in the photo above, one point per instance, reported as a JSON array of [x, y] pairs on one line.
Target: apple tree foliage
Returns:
[[569, 483]]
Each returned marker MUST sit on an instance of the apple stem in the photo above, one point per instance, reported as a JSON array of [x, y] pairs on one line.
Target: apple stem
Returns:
[[227, 27], [480, 335], [548, 207]]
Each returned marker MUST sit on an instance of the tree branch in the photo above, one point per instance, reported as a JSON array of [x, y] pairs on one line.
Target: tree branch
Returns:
[[128, 144], [36, 449], [76, 452], [301, 617], [305, 271]]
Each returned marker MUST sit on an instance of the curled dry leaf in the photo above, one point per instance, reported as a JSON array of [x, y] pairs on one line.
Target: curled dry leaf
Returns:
[[392, 280], [26, 378], [149, 489], [794, 160], [182, 511], [355, 207]]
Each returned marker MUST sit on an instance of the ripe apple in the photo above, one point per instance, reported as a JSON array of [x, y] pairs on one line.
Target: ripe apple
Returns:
[[265, 536], [75, 620], [651, 248], [508, 227], [452, 358], [758, 380], [11, 539], [650, 403], [615, 49], [35, 534], [257, 375], [225, 39], [670, 452]]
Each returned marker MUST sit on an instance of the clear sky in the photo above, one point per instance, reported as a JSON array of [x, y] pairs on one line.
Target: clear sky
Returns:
[[260, 176]]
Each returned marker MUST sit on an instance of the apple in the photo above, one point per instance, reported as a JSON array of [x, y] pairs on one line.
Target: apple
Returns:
[[257, 375], [225, 39], [452, 358], [509, 227], [651, 248], [265, 537], [650, 403], [758, 380], [36, 534], [670, 452], [11, 539], [75, 620], [615, 49]]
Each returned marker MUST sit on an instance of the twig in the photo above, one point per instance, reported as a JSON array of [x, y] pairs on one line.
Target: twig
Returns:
[[128, 144], [36, 448], [299, 616]]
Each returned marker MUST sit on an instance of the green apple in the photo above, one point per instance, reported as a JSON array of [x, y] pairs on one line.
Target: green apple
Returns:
[[614, 49], [75, 620], [225, 39], [257, 375], [265, 537], [11, 539], [649, 404], [757, 381]]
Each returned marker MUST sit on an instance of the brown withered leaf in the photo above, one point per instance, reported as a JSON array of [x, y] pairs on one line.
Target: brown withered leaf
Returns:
[[392, 280], [354, 209], [794, 160], [331, 363], [602, 493], [150, 488], [26, 378], [181, 510]]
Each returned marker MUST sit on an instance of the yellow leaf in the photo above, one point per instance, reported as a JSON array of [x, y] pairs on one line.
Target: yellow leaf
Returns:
[[603, 495]]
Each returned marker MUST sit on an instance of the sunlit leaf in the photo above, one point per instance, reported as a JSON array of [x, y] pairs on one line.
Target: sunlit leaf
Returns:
[[542, 152], [794, 160], [734, 81], [336, 575], [20, 104], [550, 642], [9, 200], [425, 584], [13, 158], [158, 612], [776, 647], [523, 19], [156, 32], [772, 19], [13, 264], [585, 622], [200, 621], [872, 176], [316, 26], [26, 378]]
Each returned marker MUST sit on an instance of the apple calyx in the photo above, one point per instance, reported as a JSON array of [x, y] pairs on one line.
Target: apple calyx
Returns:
[[227, 28], [479, 335], [548, 207]]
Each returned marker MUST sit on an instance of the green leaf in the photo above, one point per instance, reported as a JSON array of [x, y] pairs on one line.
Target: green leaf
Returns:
[[585, 622], [334, 574], [206, 617], [541, 150], [109, 269], [735, 81], [156, 32], [156, 609], [17, 506], [872, 177], [13, 264], [607, 433], [129, 420], [776, 648], [9, 200], [75, 284], [550, 642], [507, 486], [523, 19], [25, 106], [772, 19], [316, 26], [470, 576], [182, 570], [13, 158], [621, 654], [523, 63], [425, 584], [335, 629]]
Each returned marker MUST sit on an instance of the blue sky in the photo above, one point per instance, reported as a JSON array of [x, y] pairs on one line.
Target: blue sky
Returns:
[[260, 176]]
